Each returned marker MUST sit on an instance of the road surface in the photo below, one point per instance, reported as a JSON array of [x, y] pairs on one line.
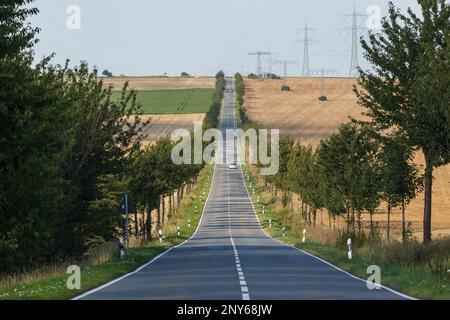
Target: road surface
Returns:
[[231, 258]]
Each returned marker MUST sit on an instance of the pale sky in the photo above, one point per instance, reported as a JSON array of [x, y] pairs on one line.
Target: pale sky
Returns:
[[149, 37]]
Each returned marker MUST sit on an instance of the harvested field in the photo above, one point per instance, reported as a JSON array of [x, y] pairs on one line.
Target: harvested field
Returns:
[[160, 83], [300, 114], [163, 125]]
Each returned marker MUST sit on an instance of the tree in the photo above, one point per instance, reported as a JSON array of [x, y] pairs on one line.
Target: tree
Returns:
[[16, 36], [305, 178], [407, 90], [185, 74], [31, 189], [154, 175], [65, 148], [280, 179], [346, 160], [107, 73], [400, 179], [104, 134]]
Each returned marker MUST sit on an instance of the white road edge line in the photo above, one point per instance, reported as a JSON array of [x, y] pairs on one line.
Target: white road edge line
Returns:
[[311, 255], [81, 296]]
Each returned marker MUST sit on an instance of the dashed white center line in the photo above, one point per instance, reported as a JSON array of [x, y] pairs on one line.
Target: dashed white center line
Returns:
[[242, 282]]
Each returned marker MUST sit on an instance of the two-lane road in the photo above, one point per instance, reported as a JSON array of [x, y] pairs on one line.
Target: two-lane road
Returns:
[[231, 258]]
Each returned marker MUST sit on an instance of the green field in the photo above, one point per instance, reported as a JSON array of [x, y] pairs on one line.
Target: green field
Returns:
[[174, 101]]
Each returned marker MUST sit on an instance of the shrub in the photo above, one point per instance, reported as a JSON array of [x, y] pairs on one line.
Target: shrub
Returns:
[[323, 98], [435, 255], [285, 87]]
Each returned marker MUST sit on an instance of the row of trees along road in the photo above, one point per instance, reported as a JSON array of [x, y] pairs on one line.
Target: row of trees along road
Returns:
[[155, 178], [406, 97], [68, 153]]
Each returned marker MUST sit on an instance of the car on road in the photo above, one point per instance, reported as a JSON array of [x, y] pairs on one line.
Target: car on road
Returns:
[[233, 166]]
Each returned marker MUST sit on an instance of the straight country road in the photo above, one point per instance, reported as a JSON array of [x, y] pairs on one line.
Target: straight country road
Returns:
[[231, 258]]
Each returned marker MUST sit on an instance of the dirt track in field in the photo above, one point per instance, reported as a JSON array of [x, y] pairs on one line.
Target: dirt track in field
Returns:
[[300, 114], [159, 83]]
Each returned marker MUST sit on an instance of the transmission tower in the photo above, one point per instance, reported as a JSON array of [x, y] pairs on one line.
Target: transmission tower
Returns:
[[323, 73], [259, 55], [285, 64], [306, 42], [355, 29]]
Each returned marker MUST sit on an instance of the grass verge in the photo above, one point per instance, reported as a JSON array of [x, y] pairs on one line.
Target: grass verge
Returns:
[[54, 286], [416, 281]]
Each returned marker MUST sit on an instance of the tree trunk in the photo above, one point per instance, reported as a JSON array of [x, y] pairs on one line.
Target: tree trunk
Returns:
[[163, 210], [428, 198], [158, 218], [348, 220], [169, 213], [149, 224], [309, 214], [359, 222], [329, 220], [389, 222], [143, 225], [371, 224], [353, 221], [178, 199], [314, 216], [403, 221], [136, 224]]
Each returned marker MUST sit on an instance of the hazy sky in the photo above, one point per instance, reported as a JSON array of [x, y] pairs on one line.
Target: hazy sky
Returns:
[[150, 37]]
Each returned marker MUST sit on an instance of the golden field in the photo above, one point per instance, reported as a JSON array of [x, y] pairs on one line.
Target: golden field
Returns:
[[159, 83], [300, 114]]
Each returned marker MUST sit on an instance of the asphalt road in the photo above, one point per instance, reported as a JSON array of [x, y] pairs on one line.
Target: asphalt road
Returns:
[[231, 258]]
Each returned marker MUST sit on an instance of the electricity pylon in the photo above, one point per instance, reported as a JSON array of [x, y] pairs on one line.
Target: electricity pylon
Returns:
[[306, 42], [354, 64], [259, 55]]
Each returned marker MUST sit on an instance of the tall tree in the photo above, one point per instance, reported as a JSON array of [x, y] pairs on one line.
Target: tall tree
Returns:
[[31, 189], [407, 89]]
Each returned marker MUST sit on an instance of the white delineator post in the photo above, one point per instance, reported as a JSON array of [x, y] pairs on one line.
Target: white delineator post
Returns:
[[160, 236], [121, 247], [284, 229], [304, 236], [178, 231], [349, 245], [189, 223], [270, 223]]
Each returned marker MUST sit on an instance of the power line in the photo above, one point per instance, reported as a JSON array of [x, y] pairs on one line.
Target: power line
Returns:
[[285, 64]]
